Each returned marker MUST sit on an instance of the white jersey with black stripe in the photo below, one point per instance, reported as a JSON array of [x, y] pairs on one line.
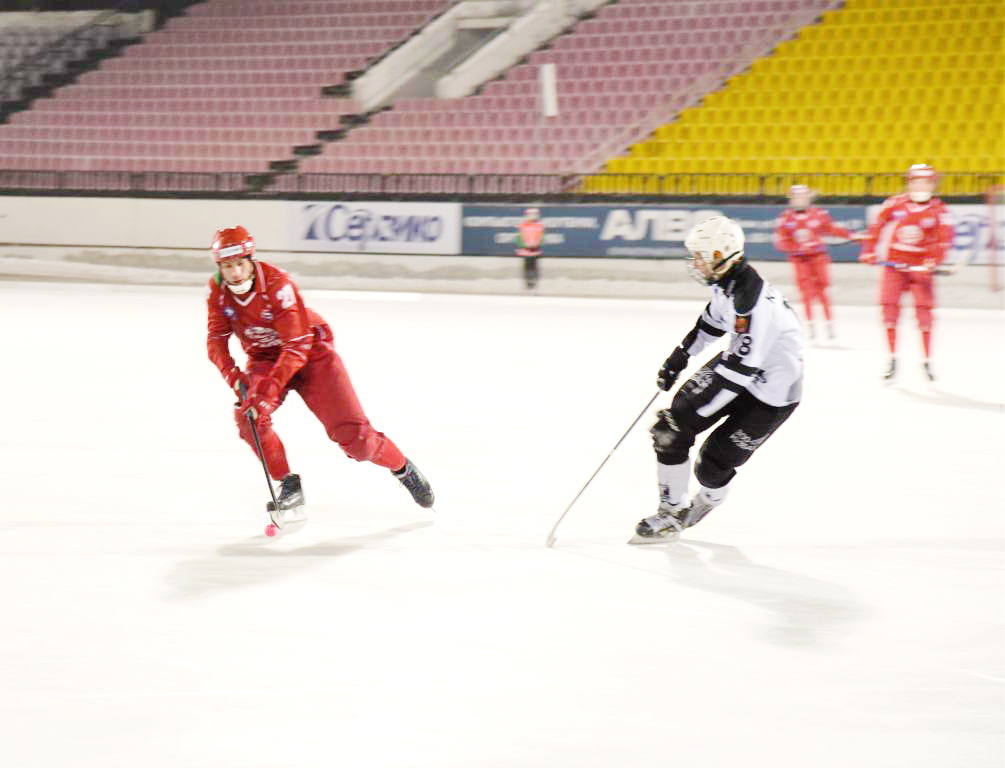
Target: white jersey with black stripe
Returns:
[[765, 351]]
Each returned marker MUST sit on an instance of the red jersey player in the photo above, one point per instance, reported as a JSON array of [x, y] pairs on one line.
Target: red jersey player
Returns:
[[289, 347], [529, 236], [911, 235], [799, 235]]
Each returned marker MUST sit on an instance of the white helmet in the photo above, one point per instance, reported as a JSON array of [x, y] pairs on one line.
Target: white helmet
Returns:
[[713, 248], [800, 196], [534, 214], [921, 182]]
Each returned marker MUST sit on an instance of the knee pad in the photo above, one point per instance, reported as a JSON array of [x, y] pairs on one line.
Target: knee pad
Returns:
[[263, 422], [359, 441], [715, 467], [670, 441], [891, 312]]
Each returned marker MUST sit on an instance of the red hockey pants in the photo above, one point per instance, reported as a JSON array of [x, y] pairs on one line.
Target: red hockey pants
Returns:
[[895, 282], [324, 385], [813, 280]]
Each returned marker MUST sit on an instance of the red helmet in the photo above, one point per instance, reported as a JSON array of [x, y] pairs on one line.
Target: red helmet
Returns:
[[230, 242]]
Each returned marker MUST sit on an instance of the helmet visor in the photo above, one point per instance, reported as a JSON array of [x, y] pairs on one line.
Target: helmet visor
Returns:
[[700, 266]]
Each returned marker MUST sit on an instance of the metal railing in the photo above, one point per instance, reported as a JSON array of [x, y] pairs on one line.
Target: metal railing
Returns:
[[543, 187]]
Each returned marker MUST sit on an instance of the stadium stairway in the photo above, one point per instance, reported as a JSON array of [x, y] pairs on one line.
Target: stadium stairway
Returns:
[[614, 69]]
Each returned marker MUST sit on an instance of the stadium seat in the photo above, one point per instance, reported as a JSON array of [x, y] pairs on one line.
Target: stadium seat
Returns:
[[870, 89]]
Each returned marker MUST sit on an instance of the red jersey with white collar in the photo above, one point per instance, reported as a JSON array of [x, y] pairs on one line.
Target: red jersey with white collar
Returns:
[[271, 321], [802, 232], [910, 233]]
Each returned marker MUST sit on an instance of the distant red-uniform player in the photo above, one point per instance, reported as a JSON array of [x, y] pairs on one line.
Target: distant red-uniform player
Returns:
[[911, 236], [799, 236], [530, 235], [289, 347]]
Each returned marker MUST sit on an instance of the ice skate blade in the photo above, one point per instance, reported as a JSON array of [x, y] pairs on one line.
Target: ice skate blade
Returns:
[[289, 520], [667, 538]]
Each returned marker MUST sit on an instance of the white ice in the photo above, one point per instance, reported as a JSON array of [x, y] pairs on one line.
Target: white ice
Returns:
[[843, 608]]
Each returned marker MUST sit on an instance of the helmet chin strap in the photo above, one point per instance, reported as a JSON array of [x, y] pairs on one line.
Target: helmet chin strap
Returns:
[[242, 288]]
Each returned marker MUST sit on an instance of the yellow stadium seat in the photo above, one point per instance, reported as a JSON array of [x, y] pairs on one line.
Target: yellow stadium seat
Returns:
[[873, 87]]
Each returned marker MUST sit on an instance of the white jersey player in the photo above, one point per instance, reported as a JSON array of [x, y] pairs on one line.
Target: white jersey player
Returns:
[[752, 387]]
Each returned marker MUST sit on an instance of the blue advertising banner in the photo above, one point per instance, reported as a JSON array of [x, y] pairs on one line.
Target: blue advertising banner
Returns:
[[638, 232]]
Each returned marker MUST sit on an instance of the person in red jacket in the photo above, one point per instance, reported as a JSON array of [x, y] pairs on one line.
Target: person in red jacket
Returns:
[[799, 235], [910, 237], [529, 237], [289, 347]]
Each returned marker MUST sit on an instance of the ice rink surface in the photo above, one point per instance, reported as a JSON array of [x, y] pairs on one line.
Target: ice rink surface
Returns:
[[843, 608]]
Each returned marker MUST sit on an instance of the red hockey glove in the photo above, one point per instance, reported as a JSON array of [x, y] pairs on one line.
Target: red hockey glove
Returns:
[[262, 399], [235, 378]]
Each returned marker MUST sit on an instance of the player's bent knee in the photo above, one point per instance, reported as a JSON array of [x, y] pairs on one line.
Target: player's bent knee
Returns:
[[263, 423], [671, 441], [711, 472], [358, 441]]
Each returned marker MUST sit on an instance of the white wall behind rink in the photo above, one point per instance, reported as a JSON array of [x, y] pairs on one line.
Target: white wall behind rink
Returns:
[[136, 222], [277, 225], [163, 241]]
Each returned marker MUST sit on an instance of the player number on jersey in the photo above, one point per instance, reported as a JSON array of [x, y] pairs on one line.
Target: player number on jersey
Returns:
[[742, 344], [285, 296]]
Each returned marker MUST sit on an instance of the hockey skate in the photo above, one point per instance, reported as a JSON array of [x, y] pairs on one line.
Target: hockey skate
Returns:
[[928, 371], [665, 526], [701, 505], [671, 521], [291, 514], [416, 483], [891, 371]]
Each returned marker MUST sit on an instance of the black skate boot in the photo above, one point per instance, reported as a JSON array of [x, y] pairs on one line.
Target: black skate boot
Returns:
[[417, 485], [290, 496], [892, 370], [928, 371]]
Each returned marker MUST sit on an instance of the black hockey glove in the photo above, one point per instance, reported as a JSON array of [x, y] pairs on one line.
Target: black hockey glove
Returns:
[[671, 369]]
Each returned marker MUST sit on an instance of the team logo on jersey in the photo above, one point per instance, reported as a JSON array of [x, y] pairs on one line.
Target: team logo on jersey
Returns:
[[742, 323], [262, 337], [910, 234], [229, 312], [928, 222], [266, 316]]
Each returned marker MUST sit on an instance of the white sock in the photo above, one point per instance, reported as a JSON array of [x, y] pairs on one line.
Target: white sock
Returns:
[[715, 496], [673, 480]]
